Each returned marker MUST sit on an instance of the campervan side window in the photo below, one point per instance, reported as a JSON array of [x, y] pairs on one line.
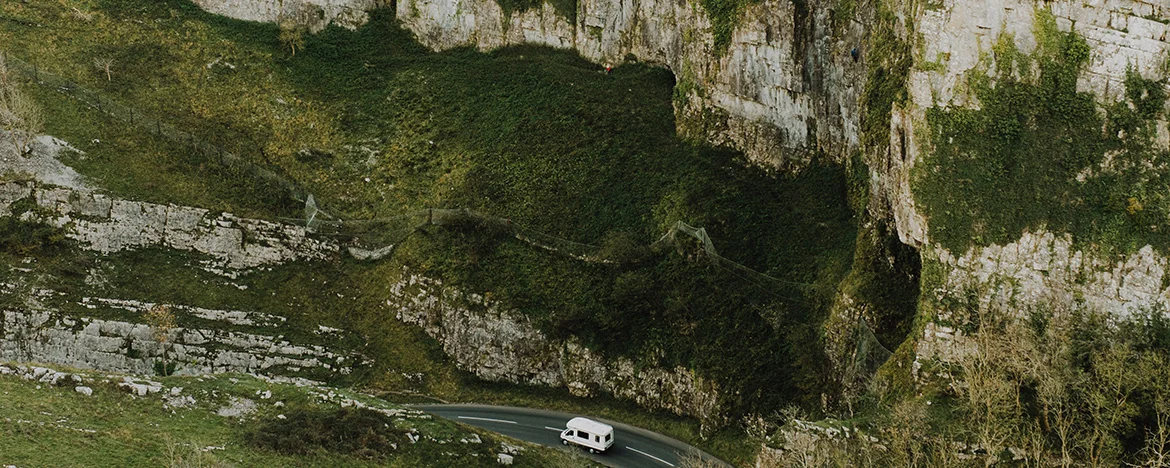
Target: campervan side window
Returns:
[[583, 434], [597, 438]]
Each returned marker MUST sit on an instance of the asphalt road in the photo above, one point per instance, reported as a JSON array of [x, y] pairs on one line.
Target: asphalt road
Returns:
[[632, 447]]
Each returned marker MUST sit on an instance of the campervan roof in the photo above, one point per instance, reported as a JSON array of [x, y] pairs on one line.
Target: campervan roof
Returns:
[[589, 425]]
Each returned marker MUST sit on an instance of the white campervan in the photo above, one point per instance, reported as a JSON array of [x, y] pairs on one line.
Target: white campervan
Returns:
[[595, 436]]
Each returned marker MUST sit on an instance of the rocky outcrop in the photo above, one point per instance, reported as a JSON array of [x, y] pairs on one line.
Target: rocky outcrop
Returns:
[[314, 14], [241, 342], [105, 224], [1038, 272], [500, 345]]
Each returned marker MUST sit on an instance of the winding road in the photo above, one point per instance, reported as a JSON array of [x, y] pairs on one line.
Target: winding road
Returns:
[[633, 447]]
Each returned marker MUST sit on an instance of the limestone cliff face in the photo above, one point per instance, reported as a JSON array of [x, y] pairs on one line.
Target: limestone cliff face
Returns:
[[501, 345], [105, 224], [785, 88], [957, 35], [1041, 271], [36, 333], [1040, 267]]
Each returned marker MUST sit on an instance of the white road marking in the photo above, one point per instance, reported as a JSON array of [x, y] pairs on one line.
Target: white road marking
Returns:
[[489, 420], [553, 429], [651, 456]]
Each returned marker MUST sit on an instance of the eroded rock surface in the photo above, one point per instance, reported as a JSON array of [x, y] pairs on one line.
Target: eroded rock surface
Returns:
[[1041, 271], [105, 224], [500, 345], [53, 336]]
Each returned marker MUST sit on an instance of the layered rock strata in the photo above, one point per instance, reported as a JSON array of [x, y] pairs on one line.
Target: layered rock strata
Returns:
[[500, 345], [955, 38], [237, 344], [105, 224]]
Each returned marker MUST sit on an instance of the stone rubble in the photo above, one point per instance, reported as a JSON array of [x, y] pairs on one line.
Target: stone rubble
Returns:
[[237, 408]]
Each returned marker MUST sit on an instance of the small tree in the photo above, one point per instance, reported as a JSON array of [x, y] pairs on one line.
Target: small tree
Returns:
[[104, 64], [162, 322], [292, 35]]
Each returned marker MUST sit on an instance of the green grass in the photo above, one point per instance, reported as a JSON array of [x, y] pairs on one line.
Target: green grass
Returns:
[[1038, 154], [49, 426], [539, 136]]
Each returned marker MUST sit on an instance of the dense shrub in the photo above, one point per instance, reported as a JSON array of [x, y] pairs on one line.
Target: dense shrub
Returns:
[[19, 237], [359, 432]]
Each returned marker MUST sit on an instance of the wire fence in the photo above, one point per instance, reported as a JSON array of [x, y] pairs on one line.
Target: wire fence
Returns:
[[376, 239]]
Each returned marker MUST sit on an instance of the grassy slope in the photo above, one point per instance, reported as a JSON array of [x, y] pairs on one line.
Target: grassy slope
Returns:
[[41, 428], [538, 136]]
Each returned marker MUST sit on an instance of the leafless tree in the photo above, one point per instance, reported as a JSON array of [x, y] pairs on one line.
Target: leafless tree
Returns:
[[104, 64]]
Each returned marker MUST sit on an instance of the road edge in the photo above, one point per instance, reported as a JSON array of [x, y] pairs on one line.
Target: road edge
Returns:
[[681, 446]]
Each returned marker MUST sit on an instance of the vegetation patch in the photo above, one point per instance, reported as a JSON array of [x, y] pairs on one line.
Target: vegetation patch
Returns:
[[1037, 154], [890, 61], [1061, 381], [567, 9], [360, 432], [28, 237]]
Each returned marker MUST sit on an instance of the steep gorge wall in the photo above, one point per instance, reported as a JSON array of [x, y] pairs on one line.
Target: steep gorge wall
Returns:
[[1041, 268], [785, 88], [955, 38]]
